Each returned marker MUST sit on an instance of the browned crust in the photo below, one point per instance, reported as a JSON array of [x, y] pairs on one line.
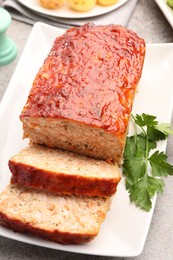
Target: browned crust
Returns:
[[61, 183], [111, 69], [55, 236]]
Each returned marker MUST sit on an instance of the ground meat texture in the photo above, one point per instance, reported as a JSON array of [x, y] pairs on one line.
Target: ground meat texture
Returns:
[[58, 171], [62, 219]]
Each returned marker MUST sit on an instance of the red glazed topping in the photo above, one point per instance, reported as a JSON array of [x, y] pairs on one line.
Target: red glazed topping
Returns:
[[89, 76]]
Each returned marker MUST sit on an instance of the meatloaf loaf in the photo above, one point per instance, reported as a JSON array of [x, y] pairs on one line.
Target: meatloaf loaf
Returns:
[[63, 219], [82, 96], [58, 171]]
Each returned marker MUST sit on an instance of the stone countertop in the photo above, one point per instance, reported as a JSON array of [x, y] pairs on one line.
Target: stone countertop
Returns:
[[149, 22]]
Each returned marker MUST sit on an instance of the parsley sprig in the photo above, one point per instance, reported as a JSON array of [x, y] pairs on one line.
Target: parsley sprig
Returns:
[[144, 170]]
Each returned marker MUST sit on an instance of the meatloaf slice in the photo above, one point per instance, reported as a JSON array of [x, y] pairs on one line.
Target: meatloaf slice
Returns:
[[63, 219], [58, 171], [82, 96]]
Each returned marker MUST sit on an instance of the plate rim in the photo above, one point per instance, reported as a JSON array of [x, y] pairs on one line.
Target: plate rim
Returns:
[[72, 14]]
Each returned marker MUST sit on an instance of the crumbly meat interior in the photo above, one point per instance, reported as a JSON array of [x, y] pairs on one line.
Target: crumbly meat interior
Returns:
[[75, 137], [72, 214], [58, 161]]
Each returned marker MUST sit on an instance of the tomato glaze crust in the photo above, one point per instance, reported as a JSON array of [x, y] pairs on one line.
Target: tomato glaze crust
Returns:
[[61, 237], [36, 178], [89, 76]]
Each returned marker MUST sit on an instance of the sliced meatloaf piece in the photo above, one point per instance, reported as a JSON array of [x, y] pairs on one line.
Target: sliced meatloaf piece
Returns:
[[82, 96], [63, 219], [58, 171]]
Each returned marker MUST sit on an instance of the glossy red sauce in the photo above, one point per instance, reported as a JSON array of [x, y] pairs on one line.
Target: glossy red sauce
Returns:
[[29, 176], [89, 76]]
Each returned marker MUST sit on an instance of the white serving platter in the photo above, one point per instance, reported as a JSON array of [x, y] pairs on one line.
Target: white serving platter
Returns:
[[125, 229]]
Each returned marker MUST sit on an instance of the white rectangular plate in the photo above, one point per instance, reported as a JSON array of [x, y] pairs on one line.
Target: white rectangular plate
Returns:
[[167, 11], [125, 229]]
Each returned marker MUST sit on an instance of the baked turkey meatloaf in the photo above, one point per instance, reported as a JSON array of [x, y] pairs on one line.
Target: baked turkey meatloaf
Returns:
[[63, 219], [82, 96], [58, 171]]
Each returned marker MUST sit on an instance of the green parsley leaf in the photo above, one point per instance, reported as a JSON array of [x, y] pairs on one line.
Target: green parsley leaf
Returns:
[[160, 167], [137, 165], [145, 120], [165, 128], [140, 195], [154, 134], [144, 189], [130, 147], [134, 147], [142, 183], [142, 143]]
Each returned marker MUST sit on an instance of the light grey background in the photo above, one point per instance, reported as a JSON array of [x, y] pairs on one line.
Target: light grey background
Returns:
[[149, 22]]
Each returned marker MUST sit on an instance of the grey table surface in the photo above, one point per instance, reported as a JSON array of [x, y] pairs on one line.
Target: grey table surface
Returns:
[[149, 22]]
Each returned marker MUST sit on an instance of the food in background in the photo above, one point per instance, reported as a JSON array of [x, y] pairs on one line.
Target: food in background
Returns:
[[77, 5], [82, 5], [170, 3], [107, 2], [51, 4]]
